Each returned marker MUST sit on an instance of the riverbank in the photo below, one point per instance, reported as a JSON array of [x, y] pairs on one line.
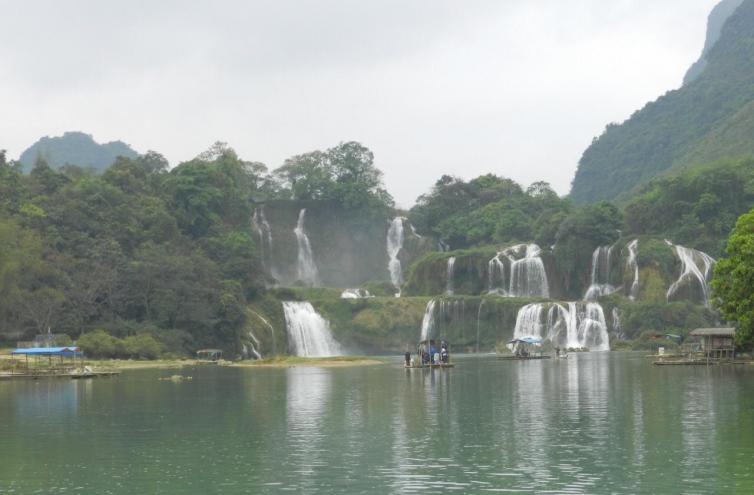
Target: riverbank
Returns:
[[275, 362], [295, 361]]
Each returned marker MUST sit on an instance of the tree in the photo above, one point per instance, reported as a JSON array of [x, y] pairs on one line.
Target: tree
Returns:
[[733, 282]]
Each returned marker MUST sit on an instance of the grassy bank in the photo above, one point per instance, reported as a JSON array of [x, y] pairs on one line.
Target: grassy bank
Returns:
[[294, 361]]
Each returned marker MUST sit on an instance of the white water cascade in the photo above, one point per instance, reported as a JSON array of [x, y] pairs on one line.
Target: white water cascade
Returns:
[[600, 282], [580, 325], [478, 322], [260, 224], [307, 269], [251, 349], [696, 272], [449, 290], [309, 334], [269, 326], [394, 246], [529, 322], [617, 326], [355, 294], [633, 265], [528, 277], [587, 327], [428, 322], [496, 282]]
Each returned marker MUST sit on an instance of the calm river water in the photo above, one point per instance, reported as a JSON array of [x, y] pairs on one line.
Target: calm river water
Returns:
[[594, 423]]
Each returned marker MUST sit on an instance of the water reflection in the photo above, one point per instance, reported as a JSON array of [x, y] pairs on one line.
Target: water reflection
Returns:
[[308, 392], [594, 423]]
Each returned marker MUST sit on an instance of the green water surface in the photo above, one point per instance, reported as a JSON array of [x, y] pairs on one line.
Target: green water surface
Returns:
[[594, 423]]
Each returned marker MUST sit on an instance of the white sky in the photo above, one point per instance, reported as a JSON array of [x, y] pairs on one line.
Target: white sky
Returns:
[[514, 87]]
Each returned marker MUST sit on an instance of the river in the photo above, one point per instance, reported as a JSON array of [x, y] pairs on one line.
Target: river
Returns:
[[594, 423]]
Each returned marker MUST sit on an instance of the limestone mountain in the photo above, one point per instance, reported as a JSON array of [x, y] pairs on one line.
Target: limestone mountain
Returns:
[[75, 148], [709, 118]]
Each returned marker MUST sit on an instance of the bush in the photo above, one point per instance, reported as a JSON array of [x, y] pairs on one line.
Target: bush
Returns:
[[142, 346], [99, 344]]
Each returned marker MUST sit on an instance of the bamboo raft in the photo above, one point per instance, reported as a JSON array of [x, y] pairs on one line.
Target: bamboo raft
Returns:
[[427, 366], [523, 358]]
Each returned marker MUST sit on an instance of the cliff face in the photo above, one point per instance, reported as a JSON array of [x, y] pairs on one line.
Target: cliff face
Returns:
[[678, 128], [715, 23]]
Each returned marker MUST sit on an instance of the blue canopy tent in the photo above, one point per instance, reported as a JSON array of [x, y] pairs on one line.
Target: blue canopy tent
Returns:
[[71, 352]]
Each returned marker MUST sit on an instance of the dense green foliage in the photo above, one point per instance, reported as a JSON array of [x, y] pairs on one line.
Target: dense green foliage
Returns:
[[682, 127], [75, 148], [696, 208], [138, 251], [344, 174], [489, 210], [733, 283]]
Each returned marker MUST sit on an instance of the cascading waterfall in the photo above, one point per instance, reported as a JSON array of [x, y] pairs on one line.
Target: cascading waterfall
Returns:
[[529, 322], [251, 349], [600, 283], [617, 327], [307, 269], [580, 325], [428, 322], [496, 281], [264, 231], [528, 277], [692, 274], [269, 326], [394, 246], [478, 322], [450, 269], [633, 265], [355, 294], [587, 327], [309, 334]]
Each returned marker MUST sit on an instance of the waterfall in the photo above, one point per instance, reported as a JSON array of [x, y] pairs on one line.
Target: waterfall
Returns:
[[355, 294], [308, 333], [260, 224], [587, 327], [268, 325], [478, 321], [254, 344], [633, 265], [580, 325], [529, 322], [692, 275], [428, 322], [600, 282], [617, 327], [394, 246], [450, 269], [528, 276], [496, 281], [307, 269]]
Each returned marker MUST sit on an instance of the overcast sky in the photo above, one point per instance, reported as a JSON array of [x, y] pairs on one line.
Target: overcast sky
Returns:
[[514, 87]]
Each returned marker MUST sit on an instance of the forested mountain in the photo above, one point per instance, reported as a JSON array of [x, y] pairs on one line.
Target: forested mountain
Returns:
[[75, 148], [707, 119]]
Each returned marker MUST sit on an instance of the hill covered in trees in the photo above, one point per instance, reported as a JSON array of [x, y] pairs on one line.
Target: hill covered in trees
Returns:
[[707, 119], [75, 148]]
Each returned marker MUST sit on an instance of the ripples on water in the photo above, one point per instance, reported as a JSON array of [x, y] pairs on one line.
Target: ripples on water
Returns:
[[595, 423]]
